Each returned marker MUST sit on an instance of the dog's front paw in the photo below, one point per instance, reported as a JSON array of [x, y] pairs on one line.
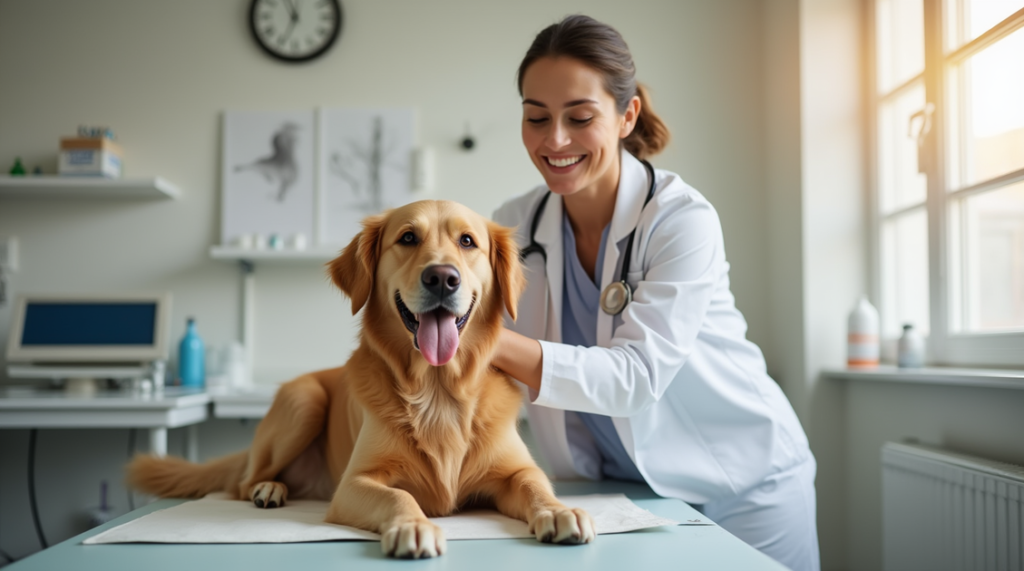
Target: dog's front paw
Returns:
[[268, 494], [413, 540], [563, 525]]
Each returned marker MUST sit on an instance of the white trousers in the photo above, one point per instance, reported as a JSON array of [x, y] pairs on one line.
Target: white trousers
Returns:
[[777, 518]]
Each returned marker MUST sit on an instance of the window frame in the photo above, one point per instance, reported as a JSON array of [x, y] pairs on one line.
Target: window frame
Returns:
[[945, 346]]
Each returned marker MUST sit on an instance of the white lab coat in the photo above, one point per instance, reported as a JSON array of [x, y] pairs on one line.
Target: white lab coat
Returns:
[[688, 394]]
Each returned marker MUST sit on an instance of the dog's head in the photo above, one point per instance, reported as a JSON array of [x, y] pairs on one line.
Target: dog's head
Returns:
[[428, 272]]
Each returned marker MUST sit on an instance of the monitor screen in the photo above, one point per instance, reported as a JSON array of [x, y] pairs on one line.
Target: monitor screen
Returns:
[[100, 323], [89, 328]]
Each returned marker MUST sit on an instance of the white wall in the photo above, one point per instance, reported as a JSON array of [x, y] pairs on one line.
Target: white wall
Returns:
[[834, 231], [817, 174], [815, 164], [979, 421], [160, 73]]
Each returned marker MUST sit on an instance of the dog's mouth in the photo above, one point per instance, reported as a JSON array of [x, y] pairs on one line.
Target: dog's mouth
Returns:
[[435, 332]]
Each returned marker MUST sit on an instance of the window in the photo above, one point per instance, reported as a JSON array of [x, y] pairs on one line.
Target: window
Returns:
[[949, 175]]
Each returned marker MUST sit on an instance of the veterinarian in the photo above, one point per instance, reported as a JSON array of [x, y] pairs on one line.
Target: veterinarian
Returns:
[[651, 380]]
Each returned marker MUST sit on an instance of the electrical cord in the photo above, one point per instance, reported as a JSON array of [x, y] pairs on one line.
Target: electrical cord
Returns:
[[7, 556], [32, 487], [131, 453], [3, 286]]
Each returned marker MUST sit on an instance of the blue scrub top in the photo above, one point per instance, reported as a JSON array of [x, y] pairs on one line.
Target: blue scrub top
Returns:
[[580, 304]]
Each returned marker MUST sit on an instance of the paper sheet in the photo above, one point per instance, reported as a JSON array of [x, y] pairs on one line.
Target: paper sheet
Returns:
[[215, 519]]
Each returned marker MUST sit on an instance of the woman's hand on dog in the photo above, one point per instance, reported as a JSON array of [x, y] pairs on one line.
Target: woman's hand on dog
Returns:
[[519, 357]]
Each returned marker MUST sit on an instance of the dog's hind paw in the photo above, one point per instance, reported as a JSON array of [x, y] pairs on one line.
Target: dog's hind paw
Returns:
[[566, 526], [269, 494], [413, 540]]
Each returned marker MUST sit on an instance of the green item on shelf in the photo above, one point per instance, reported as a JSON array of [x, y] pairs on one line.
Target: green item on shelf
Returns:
[[18, 169]]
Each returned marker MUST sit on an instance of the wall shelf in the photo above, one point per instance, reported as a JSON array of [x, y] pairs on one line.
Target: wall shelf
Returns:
[[68, 186], [319, 254], [247, 259], [978, 378]]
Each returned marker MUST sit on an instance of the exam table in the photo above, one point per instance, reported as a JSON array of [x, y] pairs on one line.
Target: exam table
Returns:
[[698, 544]]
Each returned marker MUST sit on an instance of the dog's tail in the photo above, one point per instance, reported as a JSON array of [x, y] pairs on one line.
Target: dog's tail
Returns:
[[176, 478]]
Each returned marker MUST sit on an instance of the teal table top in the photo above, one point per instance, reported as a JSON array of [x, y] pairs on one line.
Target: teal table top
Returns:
[[699, 545]]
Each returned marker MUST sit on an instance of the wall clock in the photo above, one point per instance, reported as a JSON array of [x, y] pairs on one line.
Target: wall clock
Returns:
[[295, 30]]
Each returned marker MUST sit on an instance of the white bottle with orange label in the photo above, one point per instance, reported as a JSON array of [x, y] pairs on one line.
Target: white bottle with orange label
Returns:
[[862, 345]]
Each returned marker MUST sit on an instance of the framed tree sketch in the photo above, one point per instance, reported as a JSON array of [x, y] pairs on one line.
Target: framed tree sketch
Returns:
[[365, 166], [268, 174]]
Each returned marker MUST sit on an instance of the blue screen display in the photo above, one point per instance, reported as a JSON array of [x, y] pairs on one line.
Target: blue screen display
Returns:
[[88, 323]]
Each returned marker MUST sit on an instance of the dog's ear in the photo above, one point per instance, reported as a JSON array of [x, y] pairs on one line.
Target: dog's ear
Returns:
[[354, 270], [508, 269]]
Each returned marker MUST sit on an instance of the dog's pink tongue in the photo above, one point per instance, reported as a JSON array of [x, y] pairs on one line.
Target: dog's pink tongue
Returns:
[[437, 336]]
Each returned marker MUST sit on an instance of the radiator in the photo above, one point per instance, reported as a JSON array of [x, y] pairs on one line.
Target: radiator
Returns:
[[947, 511]]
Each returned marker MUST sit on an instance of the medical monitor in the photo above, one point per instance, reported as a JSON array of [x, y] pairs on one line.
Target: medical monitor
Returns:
[[89, 328]]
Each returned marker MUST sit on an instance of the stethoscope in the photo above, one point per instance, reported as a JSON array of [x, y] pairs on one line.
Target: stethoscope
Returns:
[[617, 295]]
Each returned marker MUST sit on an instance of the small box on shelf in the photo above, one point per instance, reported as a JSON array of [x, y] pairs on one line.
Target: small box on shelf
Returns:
[[90, 156]]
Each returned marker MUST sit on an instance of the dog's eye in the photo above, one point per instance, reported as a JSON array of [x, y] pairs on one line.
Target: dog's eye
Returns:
[[467, 241], [408, 238]]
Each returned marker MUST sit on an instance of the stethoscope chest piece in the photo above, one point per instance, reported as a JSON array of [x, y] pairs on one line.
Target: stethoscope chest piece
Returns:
[[618, 295], [615, 298]]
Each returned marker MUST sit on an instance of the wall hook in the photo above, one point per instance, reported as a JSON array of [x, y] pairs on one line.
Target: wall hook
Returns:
[[468, 141]]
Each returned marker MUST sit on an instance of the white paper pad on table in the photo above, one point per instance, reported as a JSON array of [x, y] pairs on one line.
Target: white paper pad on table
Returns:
[[215, 519]]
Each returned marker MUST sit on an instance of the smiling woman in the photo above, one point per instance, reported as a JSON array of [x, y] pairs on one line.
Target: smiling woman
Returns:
[[579, 112], [663, 388], [572, 128]]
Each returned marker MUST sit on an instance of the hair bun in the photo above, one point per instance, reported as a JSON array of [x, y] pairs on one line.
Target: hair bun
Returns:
[[650, 135]]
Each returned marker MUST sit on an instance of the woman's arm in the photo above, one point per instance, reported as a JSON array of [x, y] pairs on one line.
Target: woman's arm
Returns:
[[683, 261], [520, 357]]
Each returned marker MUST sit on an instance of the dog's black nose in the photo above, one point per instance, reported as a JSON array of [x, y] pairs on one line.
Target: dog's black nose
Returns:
[[441, 280]]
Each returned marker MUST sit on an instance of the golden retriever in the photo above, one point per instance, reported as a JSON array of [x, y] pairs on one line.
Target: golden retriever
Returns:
[[416, 423]]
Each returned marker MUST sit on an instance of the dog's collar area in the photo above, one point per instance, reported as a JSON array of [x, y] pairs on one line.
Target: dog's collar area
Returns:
[[413, 324]]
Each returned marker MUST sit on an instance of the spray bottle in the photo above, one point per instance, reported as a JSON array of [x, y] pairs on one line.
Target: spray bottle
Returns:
[[862, 345], [191, 365]]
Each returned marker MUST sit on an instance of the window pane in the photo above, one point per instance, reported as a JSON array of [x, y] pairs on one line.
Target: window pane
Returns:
[[987, 92], [905, 273], [990, 227], [900, 41], [899, 183], [968, 19]]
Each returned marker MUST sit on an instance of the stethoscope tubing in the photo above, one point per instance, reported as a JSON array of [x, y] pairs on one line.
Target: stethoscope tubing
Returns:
[[534, 247], [617, 295]]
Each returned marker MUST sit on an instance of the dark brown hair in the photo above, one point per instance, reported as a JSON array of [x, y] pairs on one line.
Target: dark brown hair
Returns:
[[601, 47]]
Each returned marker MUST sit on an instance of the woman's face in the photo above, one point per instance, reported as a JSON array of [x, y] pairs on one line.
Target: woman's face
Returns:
[[571, 127]]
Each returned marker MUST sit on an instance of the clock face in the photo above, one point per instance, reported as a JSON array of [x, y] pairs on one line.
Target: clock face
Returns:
[[295, 30]]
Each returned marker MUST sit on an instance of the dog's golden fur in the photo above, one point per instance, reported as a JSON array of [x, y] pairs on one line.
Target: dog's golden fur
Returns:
[[389, 438]]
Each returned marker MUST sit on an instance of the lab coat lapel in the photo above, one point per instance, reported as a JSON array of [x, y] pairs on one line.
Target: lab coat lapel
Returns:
[[633, 186], [549, 235], [540, 311], [541, 317]]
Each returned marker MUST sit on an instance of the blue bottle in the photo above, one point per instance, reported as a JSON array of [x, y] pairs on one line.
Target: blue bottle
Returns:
[[191, 366]]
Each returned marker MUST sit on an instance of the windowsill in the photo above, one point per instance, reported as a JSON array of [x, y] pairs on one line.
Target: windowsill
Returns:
[[948, 376]]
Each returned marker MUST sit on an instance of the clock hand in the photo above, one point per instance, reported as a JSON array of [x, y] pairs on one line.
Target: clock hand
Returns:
[[288, 32], [294, 13]]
